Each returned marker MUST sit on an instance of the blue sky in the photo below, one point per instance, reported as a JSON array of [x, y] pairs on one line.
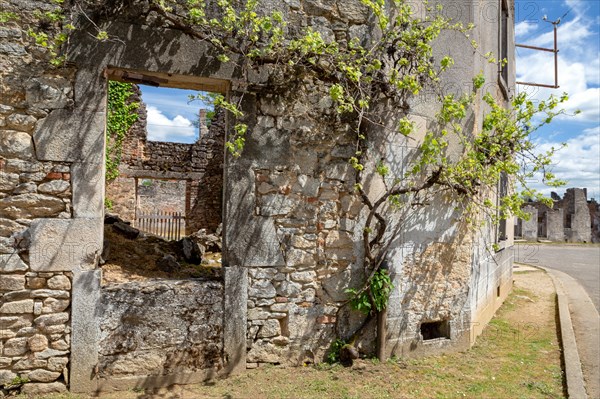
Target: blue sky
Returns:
[[579, 76], [170, 116]]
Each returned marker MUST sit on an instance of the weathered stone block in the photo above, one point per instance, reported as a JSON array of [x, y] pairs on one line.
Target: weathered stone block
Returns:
[[49, 92], [269, 329], [45, 293], [60, 345], [88, 188], [29, 363], [25, 188], [12, 282], [15, 144], [48, 353], [63, 245], [289, 289], [258, 314], [54, 329], [51, 319], [21, 122], [6, 376], [36, 282], [57, 363], [24, 306], [15, 347], [304, 277], [8, 181], [59, 282], [298, 257], [15, 322], [261, 289], [6, 334], [276, 204], [54, 187], [19, 165], [9, 227], [30, 206], [37, 343], [338, 239], [81, 136], [39, 389], [12, 263], [43, 375]]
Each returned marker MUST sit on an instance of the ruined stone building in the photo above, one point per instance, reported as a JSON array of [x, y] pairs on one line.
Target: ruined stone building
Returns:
[[572, 218], [291, 217]]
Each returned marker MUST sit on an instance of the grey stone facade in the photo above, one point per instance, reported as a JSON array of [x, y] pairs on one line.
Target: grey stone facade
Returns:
[[570, 219], [160, 328], [291, 219]]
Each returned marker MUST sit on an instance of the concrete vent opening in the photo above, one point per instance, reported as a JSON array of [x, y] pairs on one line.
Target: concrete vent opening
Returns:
[[498, 291], [435, 330]]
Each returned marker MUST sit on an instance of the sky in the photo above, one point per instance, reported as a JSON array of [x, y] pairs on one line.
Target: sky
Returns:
[[578, 75], [170, 115]]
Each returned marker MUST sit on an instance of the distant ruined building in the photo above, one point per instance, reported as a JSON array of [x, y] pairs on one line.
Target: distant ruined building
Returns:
[[571, 219]]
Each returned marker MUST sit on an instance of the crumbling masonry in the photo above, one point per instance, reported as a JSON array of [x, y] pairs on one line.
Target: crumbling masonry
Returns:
[[291, 219], [572, 219]]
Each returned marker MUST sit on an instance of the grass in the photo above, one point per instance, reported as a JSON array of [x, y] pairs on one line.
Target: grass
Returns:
[[517, 356]]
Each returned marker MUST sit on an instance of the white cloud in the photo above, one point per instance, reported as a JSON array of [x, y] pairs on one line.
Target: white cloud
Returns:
[[161, 128], [578, 162], [523, 28], [578, 64], [572, 33]]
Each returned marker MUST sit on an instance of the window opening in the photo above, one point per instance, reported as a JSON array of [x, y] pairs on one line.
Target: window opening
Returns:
[[164, 175], [435, 330]]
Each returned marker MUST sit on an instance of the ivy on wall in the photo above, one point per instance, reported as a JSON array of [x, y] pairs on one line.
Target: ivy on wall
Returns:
[[120, 117]]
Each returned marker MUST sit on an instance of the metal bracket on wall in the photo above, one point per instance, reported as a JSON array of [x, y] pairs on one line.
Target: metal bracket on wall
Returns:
[[551, 50]]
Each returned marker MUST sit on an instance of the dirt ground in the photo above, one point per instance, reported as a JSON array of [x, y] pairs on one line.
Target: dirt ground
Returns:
[[136, 260], [517, 356]]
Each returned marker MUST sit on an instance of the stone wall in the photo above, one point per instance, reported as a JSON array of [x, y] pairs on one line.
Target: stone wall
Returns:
[[157, 328], [35, 302], [35, 328], [529, 228], [576, 215], [161, 195], [594, 208], [569, 219], [554, 225]]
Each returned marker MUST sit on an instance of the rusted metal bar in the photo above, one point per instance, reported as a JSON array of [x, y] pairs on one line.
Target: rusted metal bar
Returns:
[[536, 48], [550, 50], [538, 85], [555, 56]]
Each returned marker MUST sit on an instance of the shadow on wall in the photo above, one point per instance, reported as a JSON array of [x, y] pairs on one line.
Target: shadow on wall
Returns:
[[431, 271], [161, 332]]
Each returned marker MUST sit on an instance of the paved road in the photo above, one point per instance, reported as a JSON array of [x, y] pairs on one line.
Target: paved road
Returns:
[[582, 262]]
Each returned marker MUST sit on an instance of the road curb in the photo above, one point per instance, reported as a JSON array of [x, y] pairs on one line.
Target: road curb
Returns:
[[573, 371]]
